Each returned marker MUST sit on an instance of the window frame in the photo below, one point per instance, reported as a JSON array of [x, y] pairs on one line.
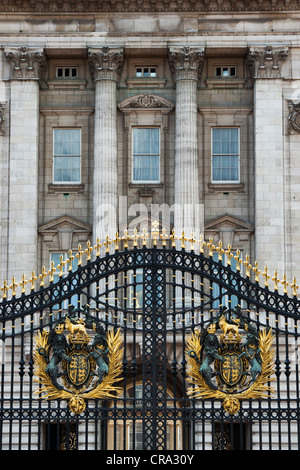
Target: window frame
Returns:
[[222, 66], [238, 156], [64, 67], [63, 182], [148, 182], [143, 67]]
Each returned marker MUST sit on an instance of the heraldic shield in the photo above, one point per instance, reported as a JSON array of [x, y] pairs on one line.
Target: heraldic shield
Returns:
[[230, 360], [73, 364]]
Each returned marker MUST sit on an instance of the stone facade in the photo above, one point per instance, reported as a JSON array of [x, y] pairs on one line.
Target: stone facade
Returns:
[[185, 100]]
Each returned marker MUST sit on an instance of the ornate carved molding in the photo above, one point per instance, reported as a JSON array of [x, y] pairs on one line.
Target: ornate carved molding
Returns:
[[293, 117], [2, 118], [148, 101], [106, 63], [266, 62], [186, 62], [26, 62], [86, 6]]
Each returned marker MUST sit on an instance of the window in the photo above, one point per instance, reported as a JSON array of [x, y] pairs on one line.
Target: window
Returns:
[[67, 72], [225, 155], [226, 71], [67, 155], [60, 258], [145, 155], [146, 72], [220, 295]]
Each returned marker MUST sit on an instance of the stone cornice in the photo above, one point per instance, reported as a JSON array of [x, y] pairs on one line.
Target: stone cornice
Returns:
[[88, 6], [106, 63], [26, 62], [186, 62]]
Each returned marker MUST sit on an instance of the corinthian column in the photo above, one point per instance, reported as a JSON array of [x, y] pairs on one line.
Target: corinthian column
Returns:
[[106, 65], [27, 65], [186, 65]]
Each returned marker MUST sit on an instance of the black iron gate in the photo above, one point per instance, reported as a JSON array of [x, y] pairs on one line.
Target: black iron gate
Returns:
[[155, 298]]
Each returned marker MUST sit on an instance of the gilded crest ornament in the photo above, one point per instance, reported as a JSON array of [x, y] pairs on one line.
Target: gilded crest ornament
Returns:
[[230, 361], [72, 364]]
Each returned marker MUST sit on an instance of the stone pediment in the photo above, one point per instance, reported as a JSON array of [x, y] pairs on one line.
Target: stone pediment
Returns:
[[64, 232], [229, 229], [145, 102]]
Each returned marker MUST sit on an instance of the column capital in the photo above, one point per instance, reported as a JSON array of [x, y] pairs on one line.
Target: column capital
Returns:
[[106, 62], [266, 61], [26, 62], [186, 62]]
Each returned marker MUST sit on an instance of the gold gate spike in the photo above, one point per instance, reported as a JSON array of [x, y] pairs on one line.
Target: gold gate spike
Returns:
[[23, 284], [294, 287], [164, 237], [173, 237], [97, 247], [43, 276], [88, 250], [220, 250], [51, 272], [13, 286], [238, 261], [4, 289], [32, 280], [266, 276], [285, 284], [144, 237], [79, 255], [276, 280], [256, 271]]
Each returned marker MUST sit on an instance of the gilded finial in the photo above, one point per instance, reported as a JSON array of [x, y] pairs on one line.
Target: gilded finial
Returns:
[[51, 272], [43, 276], [229, 255], [97, 247], [4, 289], [276, 280], [201, 243], [220, 250], [256, 271], [69, 260], [61, 266], [192, 241], [164, 237], [294, 287], [183, 239], [173, 237], [32, 280], [135, 237], [248, 266], [107, 243], [239, 261], [13, 286], [266, 276], [155, 232], [79, 255], [210, 247], [116, 241], [144, 236], [88, 250], [23, 284], [285, 284], [125, 238]]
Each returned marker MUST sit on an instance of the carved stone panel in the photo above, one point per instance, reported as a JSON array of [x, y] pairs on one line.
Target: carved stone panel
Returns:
[[26, 62], [266, 62], [106, 63], [186, 62], [293, 117]]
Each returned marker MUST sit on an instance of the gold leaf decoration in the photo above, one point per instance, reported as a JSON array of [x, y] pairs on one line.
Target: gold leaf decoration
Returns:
[[231, 402]]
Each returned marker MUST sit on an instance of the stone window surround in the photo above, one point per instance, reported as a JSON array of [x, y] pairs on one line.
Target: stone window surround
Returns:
[[62, 118], [229, 117], [145, 111]]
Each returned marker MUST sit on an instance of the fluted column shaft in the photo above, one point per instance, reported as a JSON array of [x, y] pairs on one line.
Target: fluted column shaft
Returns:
[[106, 64], [186, 64], [28, 65]]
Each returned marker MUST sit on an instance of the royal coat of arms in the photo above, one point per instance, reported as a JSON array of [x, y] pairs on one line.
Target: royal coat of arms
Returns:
[[230, 360], [76, 359]]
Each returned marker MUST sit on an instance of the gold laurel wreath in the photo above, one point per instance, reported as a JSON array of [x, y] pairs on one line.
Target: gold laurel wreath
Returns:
[[231, 402], [76, 400]]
